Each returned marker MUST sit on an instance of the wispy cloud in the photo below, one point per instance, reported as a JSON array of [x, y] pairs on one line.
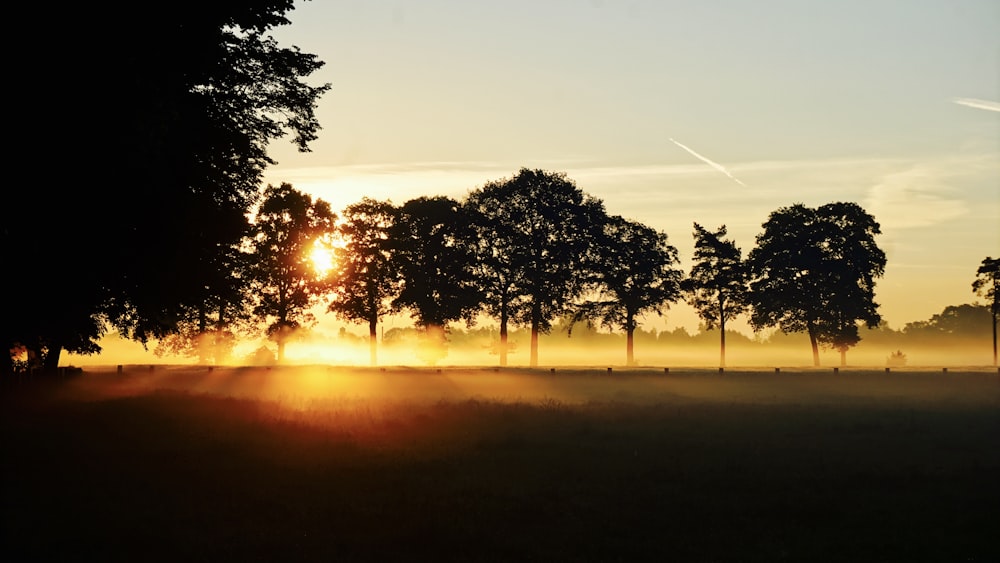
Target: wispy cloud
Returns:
[[919, 195], [978, 104], [715, 165]]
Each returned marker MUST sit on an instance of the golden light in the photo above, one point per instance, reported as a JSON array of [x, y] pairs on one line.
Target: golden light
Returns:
[[322, 258]]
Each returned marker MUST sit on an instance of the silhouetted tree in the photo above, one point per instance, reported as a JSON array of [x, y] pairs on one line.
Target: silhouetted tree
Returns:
[[987, 284], [431, 252], [814, 270], [365, 281], [717, 285], [185, 104], [285, 280], [210, 329], [634, 273], [536, 233], [955, 324]]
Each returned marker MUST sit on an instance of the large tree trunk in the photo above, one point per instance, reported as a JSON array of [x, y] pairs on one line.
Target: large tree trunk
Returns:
[[503, 342], [50, 363], [503, 334], [722, 337], [815, 345], [220, 354], [373, 341], [202, 342], [630, 347], [629, 339], [843, 357], [535, 322]]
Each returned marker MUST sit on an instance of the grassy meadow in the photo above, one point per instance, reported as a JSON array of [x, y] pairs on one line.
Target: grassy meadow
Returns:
[[316, 463]]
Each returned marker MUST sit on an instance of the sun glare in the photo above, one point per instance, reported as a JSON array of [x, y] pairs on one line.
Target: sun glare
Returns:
[[322, 258]]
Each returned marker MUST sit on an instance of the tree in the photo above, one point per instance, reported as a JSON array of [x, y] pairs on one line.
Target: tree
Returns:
[[987, 284], [365, 282], [634, 274], [814, 270], [287, 284], [210, 329], [717, 284], [432, 254], [536, 232], [187, 103]]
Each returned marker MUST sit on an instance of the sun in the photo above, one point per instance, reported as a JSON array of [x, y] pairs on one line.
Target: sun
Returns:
[[322, 258]]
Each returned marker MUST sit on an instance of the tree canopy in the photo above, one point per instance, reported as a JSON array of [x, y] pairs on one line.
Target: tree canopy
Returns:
[[183, 105], [814, 270], [284, 277], [537, 232], [987, 284], [365, 281], [717, 284], [432, 254], [635, 273]]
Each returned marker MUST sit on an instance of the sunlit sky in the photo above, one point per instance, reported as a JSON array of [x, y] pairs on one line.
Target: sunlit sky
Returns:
[[673, 112]]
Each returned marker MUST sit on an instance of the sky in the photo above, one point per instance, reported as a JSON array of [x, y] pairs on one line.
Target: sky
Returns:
[[717, 112]]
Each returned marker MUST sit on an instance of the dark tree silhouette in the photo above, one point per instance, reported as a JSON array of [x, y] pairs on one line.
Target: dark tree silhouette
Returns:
[[183, 105], [431, 251], [285, 279], [536, 232], [987, 284], [814, 270], [209, 331], [365, 281], [634, 274], [717, 284]]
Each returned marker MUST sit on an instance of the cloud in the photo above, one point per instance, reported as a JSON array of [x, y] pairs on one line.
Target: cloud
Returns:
[[717, 166], [978, 104], [918, 196]]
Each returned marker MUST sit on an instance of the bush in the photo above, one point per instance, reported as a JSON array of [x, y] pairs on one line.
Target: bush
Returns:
[[897, 358]]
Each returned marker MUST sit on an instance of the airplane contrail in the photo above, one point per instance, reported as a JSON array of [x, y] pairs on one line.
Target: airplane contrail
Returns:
[[718, 167], [979, 104]]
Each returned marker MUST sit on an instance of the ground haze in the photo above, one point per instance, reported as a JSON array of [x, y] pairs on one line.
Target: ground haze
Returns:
[[314, 463]]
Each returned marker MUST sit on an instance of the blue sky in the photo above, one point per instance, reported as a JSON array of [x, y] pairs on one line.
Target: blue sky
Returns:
[[777, 102]]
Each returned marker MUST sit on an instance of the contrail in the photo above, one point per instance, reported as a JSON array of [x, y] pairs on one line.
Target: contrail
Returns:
[[979, 104], [718, 167]]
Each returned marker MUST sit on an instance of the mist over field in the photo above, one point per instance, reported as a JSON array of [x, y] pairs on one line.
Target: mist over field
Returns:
[[320, 463], [582, 348]]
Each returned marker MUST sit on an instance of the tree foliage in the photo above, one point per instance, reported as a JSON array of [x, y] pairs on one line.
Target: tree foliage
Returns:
[[285, 279], [210, 329], [814, 271], [537, 231], [987, 284], [717, 284], [185, 104], [365, 281], [635, 273], [432, 254]]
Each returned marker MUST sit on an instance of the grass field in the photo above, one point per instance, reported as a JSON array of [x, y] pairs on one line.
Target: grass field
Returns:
[[463, 464]]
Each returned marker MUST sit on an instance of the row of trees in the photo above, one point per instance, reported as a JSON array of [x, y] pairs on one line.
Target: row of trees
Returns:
[[534, 249], [174, 238]]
